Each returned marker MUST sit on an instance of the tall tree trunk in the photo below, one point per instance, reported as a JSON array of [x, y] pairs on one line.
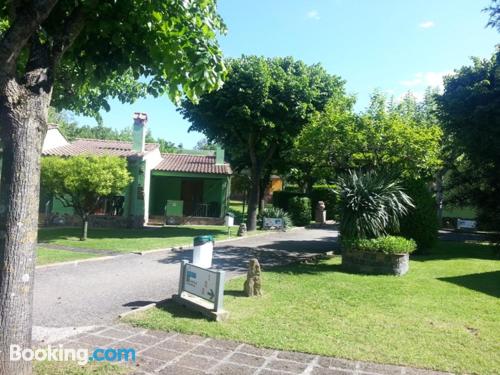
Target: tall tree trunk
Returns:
[[253, 199], [440, 196], [23, 119], [85, 227]]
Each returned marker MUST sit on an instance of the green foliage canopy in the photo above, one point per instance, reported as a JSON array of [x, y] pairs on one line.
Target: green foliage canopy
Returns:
[[401, 139], [469, 109], [124, 49], [263, 105]]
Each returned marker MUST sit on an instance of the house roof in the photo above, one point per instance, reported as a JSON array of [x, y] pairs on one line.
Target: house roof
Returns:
[[97, 147], [192, 164]]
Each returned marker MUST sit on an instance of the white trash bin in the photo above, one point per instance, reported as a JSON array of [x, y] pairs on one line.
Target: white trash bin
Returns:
[[203, 251], [229, 219]]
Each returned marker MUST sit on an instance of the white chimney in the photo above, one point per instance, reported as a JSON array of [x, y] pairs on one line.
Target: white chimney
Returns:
[[139, 131]]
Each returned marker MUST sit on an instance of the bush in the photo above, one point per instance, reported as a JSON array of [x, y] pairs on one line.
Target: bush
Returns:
[[281, 198], [384, 244], [329, 195], [370, 205], [300, 210], [276, 213], [421, 223]]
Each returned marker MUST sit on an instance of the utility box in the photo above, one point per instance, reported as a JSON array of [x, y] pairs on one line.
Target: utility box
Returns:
[[174, 208], [174, 212]]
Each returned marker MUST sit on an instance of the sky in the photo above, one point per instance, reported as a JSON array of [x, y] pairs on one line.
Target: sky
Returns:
[[390, 45]]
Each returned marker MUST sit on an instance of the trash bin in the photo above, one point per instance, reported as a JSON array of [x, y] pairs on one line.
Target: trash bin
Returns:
[[203, 251], [229, 219]]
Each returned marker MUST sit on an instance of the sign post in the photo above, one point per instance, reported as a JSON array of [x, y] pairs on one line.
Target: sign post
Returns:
[[202, 289]]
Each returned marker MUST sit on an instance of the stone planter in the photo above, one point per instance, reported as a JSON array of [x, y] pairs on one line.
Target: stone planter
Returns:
[[375, 263]]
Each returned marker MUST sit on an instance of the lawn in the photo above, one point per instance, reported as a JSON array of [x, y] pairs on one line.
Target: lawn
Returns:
[[47, 256], [442, 315], [128, 240]]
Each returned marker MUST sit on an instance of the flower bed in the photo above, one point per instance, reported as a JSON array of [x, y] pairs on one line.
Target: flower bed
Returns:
[[382, 255]]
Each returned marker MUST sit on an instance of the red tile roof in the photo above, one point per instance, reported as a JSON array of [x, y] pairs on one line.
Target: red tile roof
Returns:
[[97, 147], [192, 164]]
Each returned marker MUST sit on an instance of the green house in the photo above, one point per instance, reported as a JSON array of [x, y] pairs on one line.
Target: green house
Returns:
[[167, 188]]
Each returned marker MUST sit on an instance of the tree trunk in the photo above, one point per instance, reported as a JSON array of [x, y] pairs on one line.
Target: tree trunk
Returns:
[[253, 200], [23, 119], [85, 226], [439, 196]]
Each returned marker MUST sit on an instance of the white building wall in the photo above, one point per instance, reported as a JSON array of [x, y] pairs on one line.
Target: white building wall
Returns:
[[151, 159]]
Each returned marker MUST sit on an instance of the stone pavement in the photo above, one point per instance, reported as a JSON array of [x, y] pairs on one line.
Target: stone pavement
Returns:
[[159, 352]]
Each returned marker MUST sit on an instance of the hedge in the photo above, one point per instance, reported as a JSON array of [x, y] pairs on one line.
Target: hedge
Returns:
[[299, 209], [421, 223], [281, 198]]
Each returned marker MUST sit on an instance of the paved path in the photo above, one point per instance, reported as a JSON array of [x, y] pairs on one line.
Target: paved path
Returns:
[[170, 353], [96, 292]]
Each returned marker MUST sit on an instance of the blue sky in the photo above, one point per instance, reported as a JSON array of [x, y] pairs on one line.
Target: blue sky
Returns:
[[392, 45]]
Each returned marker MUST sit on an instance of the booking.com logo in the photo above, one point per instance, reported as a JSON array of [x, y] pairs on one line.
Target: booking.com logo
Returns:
[[81, 356]]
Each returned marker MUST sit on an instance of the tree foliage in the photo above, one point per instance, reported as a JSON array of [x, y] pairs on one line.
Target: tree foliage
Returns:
[[263, 105], [402, 139], [494, 11], [470, 111], [109, 54], [81, 181]]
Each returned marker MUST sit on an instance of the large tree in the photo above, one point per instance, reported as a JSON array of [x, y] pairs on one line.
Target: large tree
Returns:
[[75, 54], [470, 112], [263, 105], [80, 182]]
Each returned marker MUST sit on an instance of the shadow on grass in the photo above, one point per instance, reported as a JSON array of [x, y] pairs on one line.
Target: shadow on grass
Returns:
[[456, 250], [178, 311], [235, 293], [487, 282], [54, 234]]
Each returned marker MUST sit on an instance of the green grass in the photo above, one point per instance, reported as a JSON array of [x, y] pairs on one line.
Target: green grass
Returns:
[[72, 368], [128, 240], [237, 206], [442, 315], [47, 256]]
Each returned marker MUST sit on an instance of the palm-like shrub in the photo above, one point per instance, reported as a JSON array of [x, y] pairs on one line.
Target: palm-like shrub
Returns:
[[370, 205]]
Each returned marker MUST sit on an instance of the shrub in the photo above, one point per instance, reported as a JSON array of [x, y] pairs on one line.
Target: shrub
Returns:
[[329, 195], [370, 205], [300, 210], [276, 213], [421, 223], [384, 244], [281, 198]]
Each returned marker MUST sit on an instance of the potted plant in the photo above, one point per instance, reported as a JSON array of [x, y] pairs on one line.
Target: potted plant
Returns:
[[381, 255], [370, 207]]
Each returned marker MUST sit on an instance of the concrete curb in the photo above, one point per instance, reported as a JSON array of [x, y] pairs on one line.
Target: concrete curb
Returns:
[[75, 262]]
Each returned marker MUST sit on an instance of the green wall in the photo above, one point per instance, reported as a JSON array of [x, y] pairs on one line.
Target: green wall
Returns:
[[164, 188]]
